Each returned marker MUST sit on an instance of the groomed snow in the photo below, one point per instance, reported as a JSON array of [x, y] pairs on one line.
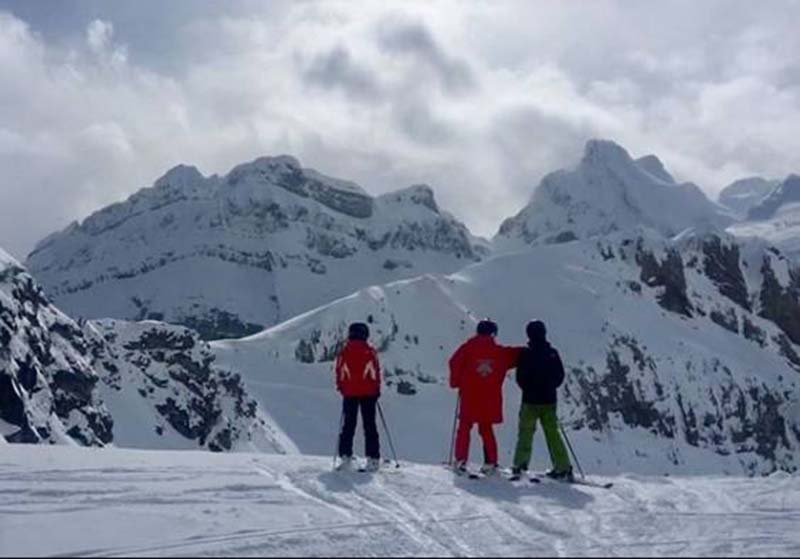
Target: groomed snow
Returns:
[[111, 503]]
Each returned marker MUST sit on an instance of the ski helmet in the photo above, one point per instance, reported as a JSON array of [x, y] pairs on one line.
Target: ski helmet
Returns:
[[536, 331], [358, 331], [487, 327]]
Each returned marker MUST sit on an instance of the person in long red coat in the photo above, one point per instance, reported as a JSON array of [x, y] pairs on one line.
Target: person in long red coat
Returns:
[[478, 369], [358, 380]]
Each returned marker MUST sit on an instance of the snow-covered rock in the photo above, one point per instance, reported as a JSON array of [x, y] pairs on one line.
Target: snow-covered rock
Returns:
[[682, 354], [745, 194], [164, 391], [607, 192], [787, 192], [230, 255], [776, 218], [48, 388], [145, 385]]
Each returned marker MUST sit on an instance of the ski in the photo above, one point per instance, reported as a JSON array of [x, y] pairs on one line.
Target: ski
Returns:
[[590, 483], [584, 482]]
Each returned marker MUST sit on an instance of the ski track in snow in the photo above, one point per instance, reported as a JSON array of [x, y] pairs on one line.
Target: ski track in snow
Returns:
[[118, 503]]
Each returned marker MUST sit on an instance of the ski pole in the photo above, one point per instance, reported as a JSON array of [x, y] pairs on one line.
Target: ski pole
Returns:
[[338, 439], [388, 436], [571, 451], [449, 460]]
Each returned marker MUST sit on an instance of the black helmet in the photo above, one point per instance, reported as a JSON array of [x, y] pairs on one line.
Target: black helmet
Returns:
[[358, 331], [487, 327], [536, 331]]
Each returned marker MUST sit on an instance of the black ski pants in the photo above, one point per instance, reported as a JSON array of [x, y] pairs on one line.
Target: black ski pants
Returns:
[[368, 406]]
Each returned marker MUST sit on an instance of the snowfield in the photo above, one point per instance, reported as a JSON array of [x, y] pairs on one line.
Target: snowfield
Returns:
[[110, 503]]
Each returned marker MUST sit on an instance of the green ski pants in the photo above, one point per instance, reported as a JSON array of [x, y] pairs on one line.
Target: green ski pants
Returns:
[[529, 415]]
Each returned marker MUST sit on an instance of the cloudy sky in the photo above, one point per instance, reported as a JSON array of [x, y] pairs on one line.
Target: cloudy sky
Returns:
[[478, 99]]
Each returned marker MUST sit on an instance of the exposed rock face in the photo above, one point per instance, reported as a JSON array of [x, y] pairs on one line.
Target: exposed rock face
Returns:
[[668, 275], [145, 385], [179, 392], [781, 303], [48, 388], [280, 238], [723, 266]]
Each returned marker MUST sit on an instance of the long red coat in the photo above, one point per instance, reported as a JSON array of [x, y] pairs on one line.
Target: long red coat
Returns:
[[358, 372], [478, 369]]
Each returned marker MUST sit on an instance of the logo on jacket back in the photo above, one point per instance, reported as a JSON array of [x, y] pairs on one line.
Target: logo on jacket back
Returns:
[[484, 368], [370, 372]]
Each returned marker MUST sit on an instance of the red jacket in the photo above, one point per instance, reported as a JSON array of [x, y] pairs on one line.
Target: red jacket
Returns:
[[358, 371], [478, 369]]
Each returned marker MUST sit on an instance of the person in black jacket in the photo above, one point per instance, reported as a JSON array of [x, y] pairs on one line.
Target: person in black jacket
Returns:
[[539, 374]]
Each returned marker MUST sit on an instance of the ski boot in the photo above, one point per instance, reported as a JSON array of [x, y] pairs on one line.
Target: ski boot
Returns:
[[565, 476], [489, 470], [516, 474], [460, 468], [345, 464], [373, 465]]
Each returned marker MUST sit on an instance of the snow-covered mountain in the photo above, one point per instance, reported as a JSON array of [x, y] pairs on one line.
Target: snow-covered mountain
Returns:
[[48, 387], [785, 193], [776, 218], [744, 194], [230, 255], [145, 385], [608, 191], [682, 353]]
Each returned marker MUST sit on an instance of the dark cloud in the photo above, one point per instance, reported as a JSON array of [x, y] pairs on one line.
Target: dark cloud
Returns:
[[414, 38], [415, 119], [336, 69]]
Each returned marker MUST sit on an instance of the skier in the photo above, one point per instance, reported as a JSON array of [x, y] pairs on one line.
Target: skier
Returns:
[[358, 379], [478, 369], [539, 374]]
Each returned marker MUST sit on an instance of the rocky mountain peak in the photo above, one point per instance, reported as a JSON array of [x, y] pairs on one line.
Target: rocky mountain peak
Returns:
[[653, 165], [418, 194], [180, 177], [607, 192], [747, 193], [787, 192], [604, 151], [286, 173]]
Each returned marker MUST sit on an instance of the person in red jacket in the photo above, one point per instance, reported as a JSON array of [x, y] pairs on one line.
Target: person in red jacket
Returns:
[[478, 369], [358, 379]]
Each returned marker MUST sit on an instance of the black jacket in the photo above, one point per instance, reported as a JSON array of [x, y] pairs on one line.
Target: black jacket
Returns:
[[539, 374]]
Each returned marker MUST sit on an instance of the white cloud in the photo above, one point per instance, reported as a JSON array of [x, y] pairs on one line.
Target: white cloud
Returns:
[[99, 34], [477, 99]]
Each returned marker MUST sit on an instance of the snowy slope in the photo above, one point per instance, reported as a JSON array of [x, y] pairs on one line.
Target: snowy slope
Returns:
[[682, 354], [147, 385], [193, 504], [776, 218], [745, 194], [230, 255], [608, 191], [48, 388]]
